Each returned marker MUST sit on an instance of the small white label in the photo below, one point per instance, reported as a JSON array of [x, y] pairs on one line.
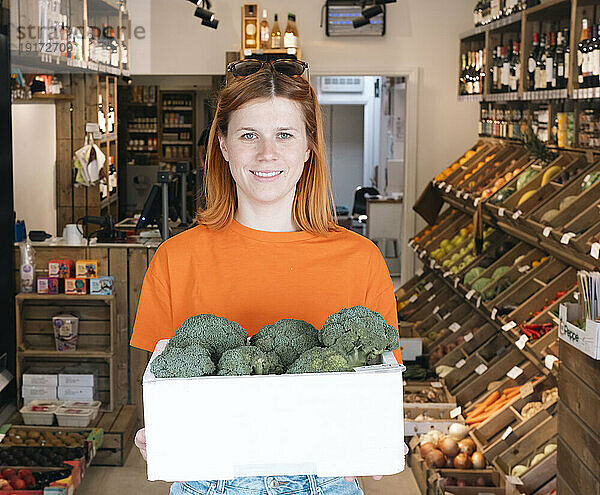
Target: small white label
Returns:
[[546, 232], [411, 243], [481, 369], [468, 337], [455, 412], [456, 282], [507, 433], [455, 327], [447, 274], [436, 384], [466, 196], [423, 254], [494, 313], [414, 441], [566, 238], [413, 298], [432, 264], [458, 194], [576, 295], [501, 212], [441, 185], [460, 364], [514, 480], [470, 294], [428, 286], [476, 202], [448, 188], [516, 214], [419, 272], [521, 342], [436, 310], [514, 372], [431, 298], [509, 326], [478, 303], [549, 361], [595, 251], [447, 315]]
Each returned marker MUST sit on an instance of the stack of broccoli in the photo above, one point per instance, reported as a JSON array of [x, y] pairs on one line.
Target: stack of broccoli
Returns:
[[207, 345]]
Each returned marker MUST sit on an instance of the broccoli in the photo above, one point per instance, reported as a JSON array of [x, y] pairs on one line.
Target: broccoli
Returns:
[[320, 360], [214, 333], [248, 360], [182, 362], [288, 338], [358, 333]]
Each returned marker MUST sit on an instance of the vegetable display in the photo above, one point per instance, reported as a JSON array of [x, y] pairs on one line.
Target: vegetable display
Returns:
[[207, 345]]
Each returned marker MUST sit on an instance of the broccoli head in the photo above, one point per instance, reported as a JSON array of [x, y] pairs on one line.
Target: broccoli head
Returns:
[[320, 360], [182, 362], [248, 360], [214, 333], [358, 333], [288, 338]]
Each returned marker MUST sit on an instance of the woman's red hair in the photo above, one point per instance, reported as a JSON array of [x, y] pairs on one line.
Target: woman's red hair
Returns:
[[313, 208]]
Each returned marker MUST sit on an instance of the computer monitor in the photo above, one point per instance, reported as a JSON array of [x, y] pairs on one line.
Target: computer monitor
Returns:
[[152, 211]]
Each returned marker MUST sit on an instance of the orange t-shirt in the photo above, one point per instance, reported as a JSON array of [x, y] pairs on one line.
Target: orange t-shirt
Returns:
[[256, 277]]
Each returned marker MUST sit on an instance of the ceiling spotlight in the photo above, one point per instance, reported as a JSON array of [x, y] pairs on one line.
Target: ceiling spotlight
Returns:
[[213, 23], [203, 12], [205, 15], [370, 12], [360, 21], [379, 2]]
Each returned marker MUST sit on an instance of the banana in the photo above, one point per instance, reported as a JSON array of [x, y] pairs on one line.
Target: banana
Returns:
[[525, 197], [550, 173]]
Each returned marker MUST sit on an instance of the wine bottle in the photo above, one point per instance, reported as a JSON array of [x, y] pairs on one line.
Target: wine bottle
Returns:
[[275, 34], [290, 37], [532, 63], [265, 31], [581, 54]]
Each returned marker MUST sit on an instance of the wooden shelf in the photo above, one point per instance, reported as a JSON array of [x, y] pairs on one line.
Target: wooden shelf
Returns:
[[177, 126], [177, 109], [49, 352], [178, 142], [63, 297]]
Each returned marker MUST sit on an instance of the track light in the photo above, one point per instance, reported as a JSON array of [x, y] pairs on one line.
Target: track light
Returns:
[[360, 21], [368, 13], [203, 12], [205, 15], [211, 24]]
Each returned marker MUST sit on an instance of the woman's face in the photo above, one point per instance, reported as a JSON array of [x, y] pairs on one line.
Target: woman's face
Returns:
[[266, 147]]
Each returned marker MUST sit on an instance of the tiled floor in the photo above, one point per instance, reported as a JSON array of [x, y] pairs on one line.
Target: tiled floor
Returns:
[[131, 480]]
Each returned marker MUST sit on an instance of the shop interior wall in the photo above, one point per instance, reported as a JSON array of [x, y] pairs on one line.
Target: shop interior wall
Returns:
[[419, 34], [34, 165]]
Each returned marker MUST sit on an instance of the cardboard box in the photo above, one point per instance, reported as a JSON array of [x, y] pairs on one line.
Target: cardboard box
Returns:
[[75, 286], [61, 268], [40, 380], [78, 376], [86, 269], [328, 424], [49, 285], [102, 286], [75, 393], [588, 340], [36, 392]]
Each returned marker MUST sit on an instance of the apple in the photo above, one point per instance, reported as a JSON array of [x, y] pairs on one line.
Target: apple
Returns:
[[8, 472], [19, 484]]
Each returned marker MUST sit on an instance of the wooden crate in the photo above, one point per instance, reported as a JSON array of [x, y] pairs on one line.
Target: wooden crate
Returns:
[[485, 148], [439, 414], [470, 475], [481, 333], [498, 150], [524, 449], [96, 341], [120, 427]]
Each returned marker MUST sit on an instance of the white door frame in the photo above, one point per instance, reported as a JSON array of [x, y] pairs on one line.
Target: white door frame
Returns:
[[409, 217]]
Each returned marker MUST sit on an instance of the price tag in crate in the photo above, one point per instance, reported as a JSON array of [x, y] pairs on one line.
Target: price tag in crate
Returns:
[[455, 412], [526, 390], [546, 232], [447, 315], [449, 188], [447, 274], [521, 342], [470, 294], [514, 372], [523, 269], [441, 185], [481, 369], [455, 327], [501, 212], [595, 251], [436, 384], [411, 243], [431, 298], [478, 302], [466, 196], [509, 326], [456, 282], [468, 337], [507, 433], [476, 201], [566, 238], [428, 286], [414, 442], [423, 254], [413, 298], [432, 264], [460, 364], [516, 214], [494, 313], [549, 361], [419, 272], [436, 309]]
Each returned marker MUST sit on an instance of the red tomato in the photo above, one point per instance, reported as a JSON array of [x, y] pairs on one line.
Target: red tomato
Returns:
[[19, 484], [8, 472], [23, 473]]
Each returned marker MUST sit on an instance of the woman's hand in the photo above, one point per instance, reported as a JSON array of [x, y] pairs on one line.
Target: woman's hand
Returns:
[[140, 441], [352, 478]]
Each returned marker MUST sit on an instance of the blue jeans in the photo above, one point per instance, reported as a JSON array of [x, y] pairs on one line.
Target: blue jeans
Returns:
[[269, 485]]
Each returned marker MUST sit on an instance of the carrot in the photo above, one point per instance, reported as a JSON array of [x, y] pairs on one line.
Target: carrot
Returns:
[[493, 397], [476, 419], [512, 394], [511, 389]]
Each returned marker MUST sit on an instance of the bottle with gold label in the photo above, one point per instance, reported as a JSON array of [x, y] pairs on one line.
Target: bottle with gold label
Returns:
[[290, 38], [265, 31], [275, 34]]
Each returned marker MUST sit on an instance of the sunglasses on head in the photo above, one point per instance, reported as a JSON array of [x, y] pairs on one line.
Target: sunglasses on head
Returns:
[[287, 67]]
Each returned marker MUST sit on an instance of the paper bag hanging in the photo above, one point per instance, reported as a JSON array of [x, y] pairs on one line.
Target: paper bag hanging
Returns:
[[89, 165]]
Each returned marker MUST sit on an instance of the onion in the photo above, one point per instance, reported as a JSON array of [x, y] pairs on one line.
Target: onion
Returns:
[[449, 447], [478, 460], [435, 458], [481, 481], [462, 461], [425, 449], [467, 446], [449, 462], [458, 431]]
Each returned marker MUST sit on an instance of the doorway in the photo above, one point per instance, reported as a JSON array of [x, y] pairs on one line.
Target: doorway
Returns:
[[369, 123]]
